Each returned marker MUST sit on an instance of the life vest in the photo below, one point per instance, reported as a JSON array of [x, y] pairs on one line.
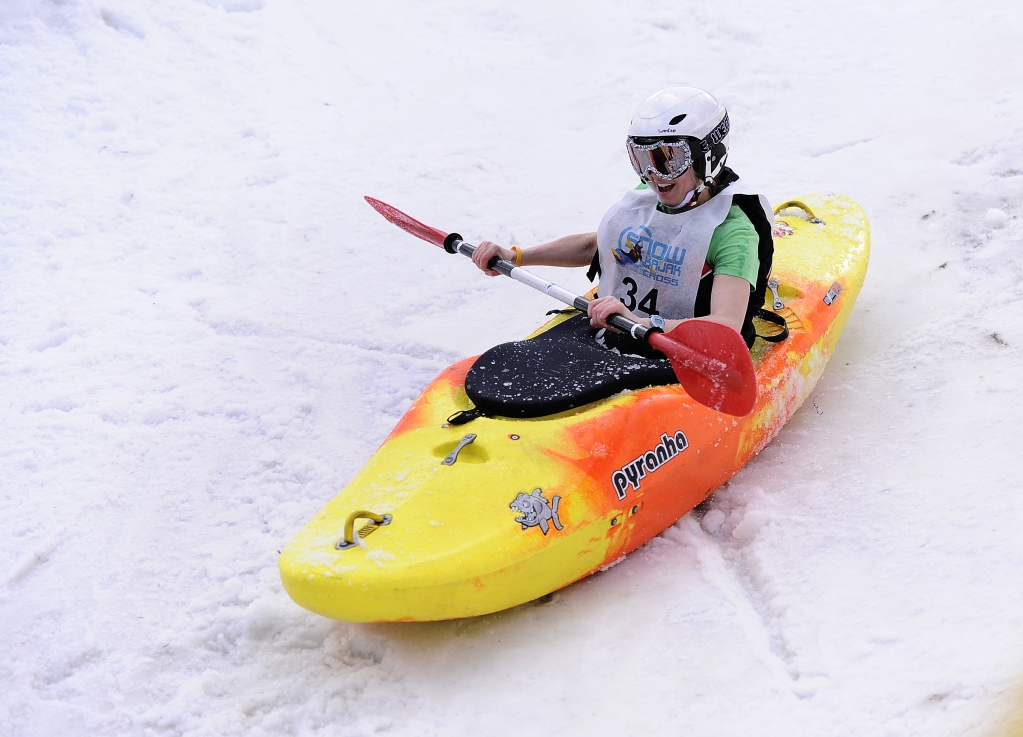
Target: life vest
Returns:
[[655, 262]]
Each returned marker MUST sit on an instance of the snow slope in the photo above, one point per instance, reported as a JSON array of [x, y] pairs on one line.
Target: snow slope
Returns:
[[204, 332]]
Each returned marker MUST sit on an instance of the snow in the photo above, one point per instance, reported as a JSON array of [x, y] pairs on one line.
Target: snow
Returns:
[[205, 332], [995, 218]]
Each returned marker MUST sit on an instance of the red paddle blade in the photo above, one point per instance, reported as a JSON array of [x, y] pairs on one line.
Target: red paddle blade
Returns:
[[713, 365], [406, 223]]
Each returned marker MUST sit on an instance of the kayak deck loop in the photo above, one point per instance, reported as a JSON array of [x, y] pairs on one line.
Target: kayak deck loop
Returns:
[[463, 416], [375, 521]]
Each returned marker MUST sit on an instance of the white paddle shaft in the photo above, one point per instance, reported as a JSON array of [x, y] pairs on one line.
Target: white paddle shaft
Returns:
[[561, 294]]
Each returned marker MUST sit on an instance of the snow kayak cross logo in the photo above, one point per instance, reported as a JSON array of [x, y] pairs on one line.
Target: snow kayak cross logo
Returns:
[[535, 511], [637, 244], [631, 474]]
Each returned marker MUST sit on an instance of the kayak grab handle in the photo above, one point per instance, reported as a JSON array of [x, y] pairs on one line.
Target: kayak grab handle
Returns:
[[375, 521], [453, 455], [802, 206]]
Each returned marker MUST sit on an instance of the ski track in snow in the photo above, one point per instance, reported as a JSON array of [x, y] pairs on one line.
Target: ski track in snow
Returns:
[[205, 332]]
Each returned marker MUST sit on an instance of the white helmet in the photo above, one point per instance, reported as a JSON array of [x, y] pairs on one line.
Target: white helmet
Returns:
[[682, 114]]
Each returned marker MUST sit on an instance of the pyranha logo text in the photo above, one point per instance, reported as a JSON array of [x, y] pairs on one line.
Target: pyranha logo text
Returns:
[[632, 474]]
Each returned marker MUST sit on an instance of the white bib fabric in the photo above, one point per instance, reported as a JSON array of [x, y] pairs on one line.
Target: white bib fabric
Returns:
[[673, 248]]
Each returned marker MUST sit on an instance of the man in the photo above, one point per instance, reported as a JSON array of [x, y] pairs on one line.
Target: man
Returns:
[[685, 244]]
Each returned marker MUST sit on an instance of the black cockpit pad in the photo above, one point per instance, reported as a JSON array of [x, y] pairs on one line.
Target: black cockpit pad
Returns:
[[558, 370]]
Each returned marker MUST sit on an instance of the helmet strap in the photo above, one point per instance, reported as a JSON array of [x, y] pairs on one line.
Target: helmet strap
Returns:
[[687, 204], [696, 195]]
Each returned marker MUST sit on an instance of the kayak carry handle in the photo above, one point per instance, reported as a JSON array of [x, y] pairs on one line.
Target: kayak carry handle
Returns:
[[376, 520], [802, 206]]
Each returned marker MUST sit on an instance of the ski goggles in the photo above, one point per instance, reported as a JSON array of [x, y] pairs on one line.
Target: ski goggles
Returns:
[[666, 159]]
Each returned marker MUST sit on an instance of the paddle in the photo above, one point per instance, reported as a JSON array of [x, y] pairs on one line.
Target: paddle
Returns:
[[711, 360]]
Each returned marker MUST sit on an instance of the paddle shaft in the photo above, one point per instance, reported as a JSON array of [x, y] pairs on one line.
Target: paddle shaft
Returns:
[[454, 244], [692, 359]]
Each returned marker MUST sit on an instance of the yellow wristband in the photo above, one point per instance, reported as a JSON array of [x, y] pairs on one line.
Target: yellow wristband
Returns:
[[518, 255]]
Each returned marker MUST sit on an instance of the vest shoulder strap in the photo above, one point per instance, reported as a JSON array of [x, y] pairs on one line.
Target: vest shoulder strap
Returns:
[[752, 209]]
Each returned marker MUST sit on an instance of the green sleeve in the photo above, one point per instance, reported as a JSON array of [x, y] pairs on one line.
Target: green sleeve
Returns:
[[734, 247]]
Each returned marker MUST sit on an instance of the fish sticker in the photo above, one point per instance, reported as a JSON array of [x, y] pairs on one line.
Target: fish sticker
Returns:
[[535, 511]]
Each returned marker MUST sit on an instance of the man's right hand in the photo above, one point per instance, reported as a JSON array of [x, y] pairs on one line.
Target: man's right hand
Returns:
[[485, 251]]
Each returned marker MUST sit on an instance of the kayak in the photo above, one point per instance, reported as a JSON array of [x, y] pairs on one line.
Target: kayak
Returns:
[[452, 520]]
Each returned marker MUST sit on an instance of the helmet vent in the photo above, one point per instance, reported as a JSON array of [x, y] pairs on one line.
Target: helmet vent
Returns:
[[677, 119]]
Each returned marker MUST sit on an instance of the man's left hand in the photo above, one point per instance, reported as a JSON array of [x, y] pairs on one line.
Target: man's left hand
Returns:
[[602, 308]]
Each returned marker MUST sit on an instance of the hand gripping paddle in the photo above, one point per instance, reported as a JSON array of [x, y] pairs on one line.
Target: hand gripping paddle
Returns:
[[711, 360]]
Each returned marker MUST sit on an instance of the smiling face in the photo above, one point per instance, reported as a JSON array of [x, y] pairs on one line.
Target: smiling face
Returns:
[[673, 192]]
